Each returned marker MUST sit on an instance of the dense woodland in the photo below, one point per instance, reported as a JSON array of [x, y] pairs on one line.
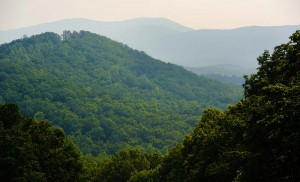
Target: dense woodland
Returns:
[[104, 94], [255, 139]]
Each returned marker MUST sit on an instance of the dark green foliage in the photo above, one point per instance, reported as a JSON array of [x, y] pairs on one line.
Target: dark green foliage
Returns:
[[129, 165], [125, 165], [275, 95], [256, 139], [33, 151], [104, 94], [211, 153]]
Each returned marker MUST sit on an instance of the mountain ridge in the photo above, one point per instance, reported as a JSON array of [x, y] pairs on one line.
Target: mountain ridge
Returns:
[[171, 42]]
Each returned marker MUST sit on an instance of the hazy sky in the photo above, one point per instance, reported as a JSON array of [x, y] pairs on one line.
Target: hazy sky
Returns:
[[196, 14]]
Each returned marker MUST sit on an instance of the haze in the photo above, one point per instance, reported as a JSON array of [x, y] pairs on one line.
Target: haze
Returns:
[[197, 14]]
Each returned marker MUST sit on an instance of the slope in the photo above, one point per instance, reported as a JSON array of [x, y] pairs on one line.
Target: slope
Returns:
[[104, 94]]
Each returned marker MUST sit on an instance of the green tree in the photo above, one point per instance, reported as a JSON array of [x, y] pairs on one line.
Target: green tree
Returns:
[[32, 150], [129, 165], [273, 127]]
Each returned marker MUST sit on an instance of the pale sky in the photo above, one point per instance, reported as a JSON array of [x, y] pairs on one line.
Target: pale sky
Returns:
[[197, 14]]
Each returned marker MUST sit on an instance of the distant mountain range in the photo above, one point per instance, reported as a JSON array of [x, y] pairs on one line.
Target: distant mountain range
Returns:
[[175, 43]]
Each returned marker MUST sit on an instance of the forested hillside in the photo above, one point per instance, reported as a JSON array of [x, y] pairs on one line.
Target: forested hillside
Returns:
[[256, 139], [105, 95]]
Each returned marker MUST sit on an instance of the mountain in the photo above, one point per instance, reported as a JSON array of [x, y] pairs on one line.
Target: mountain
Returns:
[[105, 95], [174, 43], [118, 30]]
